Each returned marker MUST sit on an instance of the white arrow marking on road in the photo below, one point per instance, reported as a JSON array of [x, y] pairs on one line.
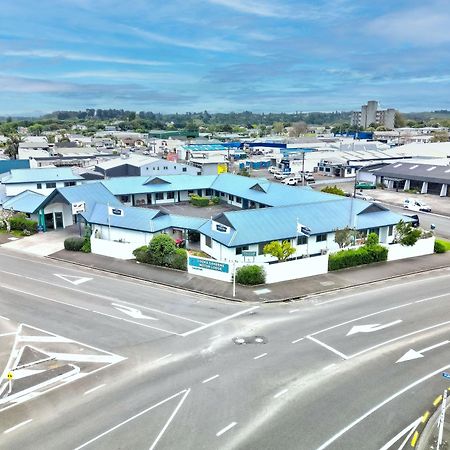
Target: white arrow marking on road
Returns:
[[413, 354], [370, 328], [133, 312], [73, 279]]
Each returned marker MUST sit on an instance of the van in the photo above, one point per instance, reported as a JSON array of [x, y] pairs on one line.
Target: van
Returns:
[[416, 205]]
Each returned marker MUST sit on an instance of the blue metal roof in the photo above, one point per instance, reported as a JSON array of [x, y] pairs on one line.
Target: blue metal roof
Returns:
[[26, 201], [40, 175], [9, 164], [205, 147]]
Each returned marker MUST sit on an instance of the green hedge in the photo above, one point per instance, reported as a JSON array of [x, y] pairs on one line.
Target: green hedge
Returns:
[[179, 259], [197, 200], [176, 259], [439, 246], [250, 275], [74, 244], [215, 200], [21, 223], [357, 257]]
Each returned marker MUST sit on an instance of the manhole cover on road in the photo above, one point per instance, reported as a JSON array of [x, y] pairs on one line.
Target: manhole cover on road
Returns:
[[250, 340]]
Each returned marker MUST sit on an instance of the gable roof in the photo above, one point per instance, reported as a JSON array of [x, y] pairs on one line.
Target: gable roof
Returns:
[[40, 175], [26, 201]]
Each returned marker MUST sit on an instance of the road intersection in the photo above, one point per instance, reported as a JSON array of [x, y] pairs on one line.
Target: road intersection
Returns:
[[188, 371]]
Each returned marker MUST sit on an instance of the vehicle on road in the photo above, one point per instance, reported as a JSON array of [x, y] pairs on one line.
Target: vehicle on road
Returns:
[[363, 196], [273, 169], [365, 185], [292, 181], [309, 178], [416, 205], [281, 175]]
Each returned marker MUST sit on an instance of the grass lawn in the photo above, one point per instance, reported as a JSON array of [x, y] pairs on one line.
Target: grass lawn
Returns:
[[446, 244], [14, 233]]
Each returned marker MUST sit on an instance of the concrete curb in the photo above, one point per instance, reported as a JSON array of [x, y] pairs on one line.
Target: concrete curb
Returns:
[[426, 420], [135, 277], [223, 297]]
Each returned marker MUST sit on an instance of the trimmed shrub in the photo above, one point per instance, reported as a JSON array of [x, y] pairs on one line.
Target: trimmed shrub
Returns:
[[215, 200], [74, 243], [372, 239], [250, 275], [439, 247], [141, 254], [161, 249], [21, 223], [86, 248], [198, 200], [179, 259], [357, 257]]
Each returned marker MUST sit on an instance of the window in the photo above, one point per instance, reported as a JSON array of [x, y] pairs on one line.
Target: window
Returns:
[[208, 192], [374, 230], [321, 238], [165, 167], [171, 195], [124, 198], [302, 240], [231, 198], [190, 191], [208, 241], [391, 230], [50, 185], [261, 246], [184, 169], [238, 200], [327, 169], [222, 194], [69, 183], [39, 186], [159, 196], [240, 249]]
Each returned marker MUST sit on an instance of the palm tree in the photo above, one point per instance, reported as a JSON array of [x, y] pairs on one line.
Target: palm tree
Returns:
[[12, 148]]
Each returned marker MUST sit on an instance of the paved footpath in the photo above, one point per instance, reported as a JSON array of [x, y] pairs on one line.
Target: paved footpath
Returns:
[[288, 290]]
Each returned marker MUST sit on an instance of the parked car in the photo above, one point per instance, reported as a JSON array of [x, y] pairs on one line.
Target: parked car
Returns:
[[365, 185], [281, 175], [309, 178], [146, 152], [292, 181], [416, 205], [363, 196], [273, 169], [416, 221]]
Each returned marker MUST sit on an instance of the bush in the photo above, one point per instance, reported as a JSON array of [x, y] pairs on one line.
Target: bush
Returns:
[[141, 254], [439, 247], [161, 249], [198, 200], [333, 190], [250, 275], [86, 248], [21, 223], [357, 257], [179, 259], [215, 200], [74, 243], [372, 239]]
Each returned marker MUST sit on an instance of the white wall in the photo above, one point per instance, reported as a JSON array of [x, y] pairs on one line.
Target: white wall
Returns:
[[137, 238], [16, 189], [113, 249], [421, 247], [61, 207]]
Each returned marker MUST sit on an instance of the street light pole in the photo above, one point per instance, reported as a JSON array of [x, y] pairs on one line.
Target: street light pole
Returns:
[[234, 279]]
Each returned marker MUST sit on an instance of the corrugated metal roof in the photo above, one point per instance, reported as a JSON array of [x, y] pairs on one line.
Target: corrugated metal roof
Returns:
[[416, 171], [9, 164], [26, 201], [40, 175]]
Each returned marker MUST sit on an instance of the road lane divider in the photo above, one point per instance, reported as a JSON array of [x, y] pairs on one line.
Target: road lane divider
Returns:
[[227, 428]]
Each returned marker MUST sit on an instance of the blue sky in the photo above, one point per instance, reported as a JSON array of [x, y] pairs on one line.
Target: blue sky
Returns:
[[223, 55]]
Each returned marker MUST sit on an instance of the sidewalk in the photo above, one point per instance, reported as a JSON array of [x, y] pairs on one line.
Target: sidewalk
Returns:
[[288, 290]]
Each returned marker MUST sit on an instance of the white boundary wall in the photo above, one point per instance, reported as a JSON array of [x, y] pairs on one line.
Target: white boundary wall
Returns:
[[420, 248], [121, 250]]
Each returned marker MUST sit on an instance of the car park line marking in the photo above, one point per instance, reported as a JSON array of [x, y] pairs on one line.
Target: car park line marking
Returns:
[[297, 340], [94, 389], [279, 394], [4, 318], [260, 356], [380, 405], [398, 338], [21, 424], [227, 428], [331, 349], [164, 357], [216, 322], [210, 379], [185, 392]]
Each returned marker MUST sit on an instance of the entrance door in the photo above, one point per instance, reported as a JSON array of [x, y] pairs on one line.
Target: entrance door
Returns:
[[59, 220], [49, 224]]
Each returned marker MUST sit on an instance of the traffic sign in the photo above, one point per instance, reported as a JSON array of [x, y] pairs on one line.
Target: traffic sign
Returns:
[[10, 375], [446, 375]]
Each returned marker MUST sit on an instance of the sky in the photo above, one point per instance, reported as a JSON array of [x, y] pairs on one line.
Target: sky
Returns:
[[223, 55]]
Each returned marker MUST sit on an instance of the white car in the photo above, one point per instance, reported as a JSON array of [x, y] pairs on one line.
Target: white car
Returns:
[[364, 196], [273, 169], [281, 175], [292, 181], [416, 205]]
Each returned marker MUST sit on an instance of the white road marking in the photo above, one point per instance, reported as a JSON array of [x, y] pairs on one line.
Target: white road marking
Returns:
[[215, 337], [4, 318], [380, 405], [330, 366], [331, 349], [223, 319], [370, 328], [227, 428], [210, 379], [21, 424], [81, 357], [293, 311], [415, 354], [132, 312], [8, 334], [185, 392], [297, 340], [260, 356], [279, 394], [164, 357], [94, 389], [410, 428], [73, 279], [43, 339]]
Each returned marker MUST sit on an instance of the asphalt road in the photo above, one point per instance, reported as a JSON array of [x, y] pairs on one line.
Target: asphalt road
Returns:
[[162, 368]]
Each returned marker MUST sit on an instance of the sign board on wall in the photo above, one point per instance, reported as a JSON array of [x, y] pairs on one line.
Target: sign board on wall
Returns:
[[209, 268], [222, 168], [220, 227], [247, 253], [78, 208]]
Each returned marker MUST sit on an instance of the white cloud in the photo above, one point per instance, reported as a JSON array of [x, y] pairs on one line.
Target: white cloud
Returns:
[[255, 7], [79, 57]]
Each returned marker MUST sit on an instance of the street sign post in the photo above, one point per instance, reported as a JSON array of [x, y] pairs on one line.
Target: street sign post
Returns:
[[10, 377]]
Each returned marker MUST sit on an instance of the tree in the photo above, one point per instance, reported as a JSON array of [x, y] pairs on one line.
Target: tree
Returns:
[[440, 136], [5, 217], [279, 250], [161, 249], [298, 128], [372, 239], [12, 147], [343, 237], [333, 190], [406, 234], [399, 121], [278, 127]]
